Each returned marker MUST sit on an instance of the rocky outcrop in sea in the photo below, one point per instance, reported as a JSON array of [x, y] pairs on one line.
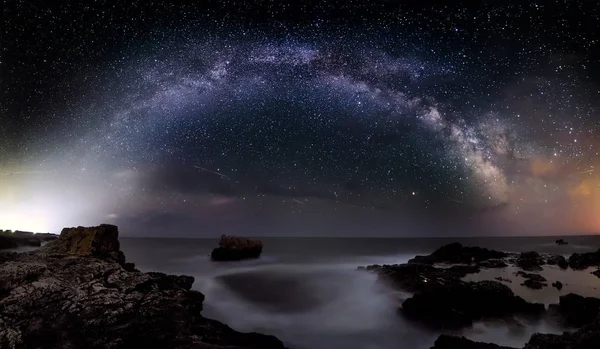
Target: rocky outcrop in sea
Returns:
[[235, 248], [78, 292]]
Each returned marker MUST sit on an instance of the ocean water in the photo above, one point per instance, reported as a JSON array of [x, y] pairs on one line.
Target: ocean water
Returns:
[[307, 291]]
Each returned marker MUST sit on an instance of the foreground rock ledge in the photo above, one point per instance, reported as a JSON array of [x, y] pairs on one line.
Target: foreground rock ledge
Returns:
[[78, 292]]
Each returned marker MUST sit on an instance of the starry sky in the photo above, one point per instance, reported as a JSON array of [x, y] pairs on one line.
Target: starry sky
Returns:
[[312, 118]]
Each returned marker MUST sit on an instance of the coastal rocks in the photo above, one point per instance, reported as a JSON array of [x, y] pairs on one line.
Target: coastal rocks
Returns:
[[455, 253], [452, 342], [533, 281], [556, 259], [457, 304], [500, 278], [576, 310], [418, 277], [587, 337], [561, 242], [596, 272], [10, 239], [558, 285], [83, 297], [530, 261], [580, 261], [101, 242], [234, 248]]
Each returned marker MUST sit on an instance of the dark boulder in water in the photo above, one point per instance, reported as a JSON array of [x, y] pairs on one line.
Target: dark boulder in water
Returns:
[[558, 285], [530, 261], [235, 248], [455, 253], [77, 292], [533, 281], [596, 272], [556, 259], [580, 261], [561, 242], [457, 304], [452, 342], [576, 310]]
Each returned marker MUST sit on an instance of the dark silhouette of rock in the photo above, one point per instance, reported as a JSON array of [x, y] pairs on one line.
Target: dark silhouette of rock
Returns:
[[558, 285], [561, 242], [452, 342], [587, 337], [556, 259], [417, 277], [580, 261], [533, 281], [457, 304], [15, 239], [235, 248], [492, 264], [77, 293], [530, 261], [7, 243], [596, 272], [500, 278], [576, 310], [455, 253]]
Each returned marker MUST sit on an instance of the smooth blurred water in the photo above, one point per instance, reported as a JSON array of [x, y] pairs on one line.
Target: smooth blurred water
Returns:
[[307, 291]]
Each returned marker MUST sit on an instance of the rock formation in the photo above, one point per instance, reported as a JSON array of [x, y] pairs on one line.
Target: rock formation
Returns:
[[561, 242], [530, 261], [580, 261], [556, 259], [10, 239], [77, 292], [533, 281], [235, 248], [451, 342], [456, 253]]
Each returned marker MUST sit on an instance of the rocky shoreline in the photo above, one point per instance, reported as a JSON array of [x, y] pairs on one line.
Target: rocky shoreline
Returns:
[[442, 300], [78, 292]]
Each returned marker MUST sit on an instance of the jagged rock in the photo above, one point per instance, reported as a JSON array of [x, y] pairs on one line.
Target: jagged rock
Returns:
[[558, 285], [530, 261], [84, 297], [576, 310], [457, 304], [533, 281], [556, 259], [500, 278], [580, 261], [534, 284], [596, 272], [531, 276], [561, 242], [456, 253], [587, 337], [233, 248], [452, 342], [416, 277], [493, 263], [101, 242]]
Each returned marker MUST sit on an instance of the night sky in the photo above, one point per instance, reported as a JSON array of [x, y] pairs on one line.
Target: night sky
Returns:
[[290, 118]]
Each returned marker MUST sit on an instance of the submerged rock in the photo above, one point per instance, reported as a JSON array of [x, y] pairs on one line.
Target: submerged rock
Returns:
[[457, 304], [533, 281], [234, 248], [452, 342], [79, 293], [455, 253], [558, 285], [596, 272], [580, 261]]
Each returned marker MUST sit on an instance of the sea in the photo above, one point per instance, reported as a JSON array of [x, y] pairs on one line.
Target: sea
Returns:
[[309, 293]]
